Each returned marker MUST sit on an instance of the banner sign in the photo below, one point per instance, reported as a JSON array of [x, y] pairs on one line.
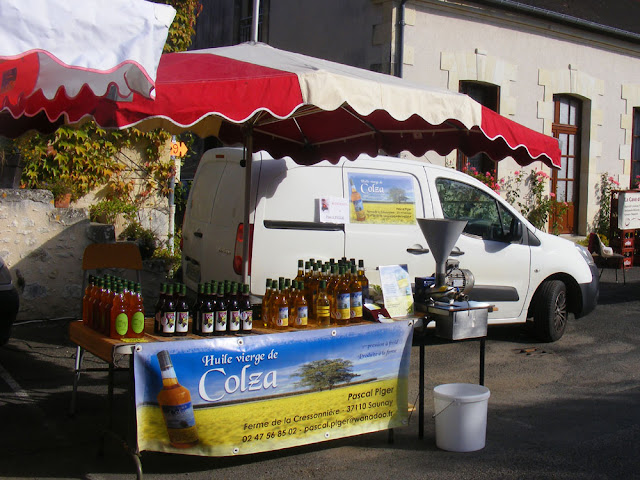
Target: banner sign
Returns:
[[239, 395], [382, 199], [629, 210]]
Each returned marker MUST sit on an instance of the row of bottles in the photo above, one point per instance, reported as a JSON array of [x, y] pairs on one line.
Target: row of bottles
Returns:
[[114, 307], [221, 308], [330, 293]]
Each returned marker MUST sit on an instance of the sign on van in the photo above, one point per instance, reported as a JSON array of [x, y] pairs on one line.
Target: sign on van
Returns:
[[382, 199]]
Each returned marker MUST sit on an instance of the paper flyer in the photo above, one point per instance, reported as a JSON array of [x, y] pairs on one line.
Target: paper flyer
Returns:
[[396, 290]]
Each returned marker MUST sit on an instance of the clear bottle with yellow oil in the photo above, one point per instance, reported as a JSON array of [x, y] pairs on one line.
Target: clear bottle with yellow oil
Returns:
[[343, 299], [175, 403], [323, 305]]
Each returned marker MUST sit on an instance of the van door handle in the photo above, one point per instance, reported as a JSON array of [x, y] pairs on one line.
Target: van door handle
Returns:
[[456, 252], [417, 249], [197, 234]]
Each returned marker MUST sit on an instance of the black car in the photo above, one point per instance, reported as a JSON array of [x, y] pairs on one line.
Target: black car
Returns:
[[9, 303]]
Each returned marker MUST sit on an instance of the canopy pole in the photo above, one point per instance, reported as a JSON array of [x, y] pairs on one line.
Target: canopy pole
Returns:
[[254, 21], [248, 160]]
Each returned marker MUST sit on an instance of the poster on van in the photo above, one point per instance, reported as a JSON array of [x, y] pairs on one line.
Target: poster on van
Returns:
[[381, 199], [240, 395]]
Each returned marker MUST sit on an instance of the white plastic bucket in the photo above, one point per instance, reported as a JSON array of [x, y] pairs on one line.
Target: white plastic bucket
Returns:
[[461, 416]]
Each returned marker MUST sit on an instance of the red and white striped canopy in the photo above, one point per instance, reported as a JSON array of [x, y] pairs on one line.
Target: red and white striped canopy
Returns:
[[298, 106], [57, 47]]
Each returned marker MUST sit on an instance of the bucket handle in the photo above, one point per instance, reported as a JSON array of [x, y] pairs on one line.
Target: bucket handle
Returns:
[[454, 401], [438, 413]]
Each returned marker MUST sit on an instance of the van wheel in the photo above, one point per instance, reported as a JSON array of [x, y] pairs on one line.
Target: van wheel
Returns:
[[550, 311]]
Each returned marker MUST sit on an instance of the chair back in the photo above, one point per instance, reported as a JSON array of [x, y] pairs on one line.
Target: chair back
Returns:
[[595, 244], [112, 255]]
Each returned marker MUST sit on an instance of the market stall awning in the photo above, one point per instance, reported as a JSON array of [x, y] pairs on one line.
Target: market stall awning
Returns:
[[304, 107], [57, 47]]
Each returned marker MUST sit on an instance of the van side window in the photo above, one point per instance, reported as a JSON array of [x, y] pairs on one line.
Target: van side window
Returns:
[[486, 217]]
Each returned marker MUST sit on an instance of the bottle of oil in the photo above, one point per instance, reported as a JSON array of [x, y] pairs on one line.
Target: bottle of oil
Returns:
[[206, 313], [221, 313], [280, 307], [300, 275], [356, 200], [246, 311], [175, 402], [266, 300], [355, 288], [343, 299], [323, 305], [182, 312], [300, 307], [233, 307], [332, 283]]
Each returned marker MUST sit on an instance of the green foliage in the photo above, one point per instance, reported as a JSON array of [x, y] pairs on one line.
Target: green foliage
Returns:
[[325, 374], [601, 222], [106, 211], [537, 207], [172, 260], [143, 237]]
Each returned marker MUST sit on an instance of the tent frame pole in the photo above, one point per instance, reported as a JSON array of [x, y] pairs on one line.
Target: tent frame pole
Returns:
[[248, 161]]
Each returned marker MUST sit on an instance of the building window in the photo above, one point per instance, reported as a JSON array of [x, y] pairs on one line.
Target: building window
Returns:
[[488, 96], [567, 121], [635, 150]]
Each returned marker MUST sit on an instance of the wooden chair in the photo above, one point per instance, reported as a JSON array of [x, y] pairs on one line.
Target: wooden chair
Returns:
[[102, 256], [605, 257]]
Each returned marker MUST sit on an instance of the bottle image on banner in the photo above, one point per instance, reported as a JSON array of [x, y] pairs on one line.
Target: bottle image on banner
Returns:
[[175, 403], [356, 199]]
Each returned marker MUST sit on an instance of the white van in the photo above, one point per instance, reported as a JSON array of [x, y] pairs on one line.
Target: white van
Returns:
[[523, 271]]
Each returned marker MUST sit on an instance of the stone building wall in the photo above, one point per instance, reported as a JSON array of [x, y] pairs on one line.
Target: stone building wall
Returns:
[[43, 246]]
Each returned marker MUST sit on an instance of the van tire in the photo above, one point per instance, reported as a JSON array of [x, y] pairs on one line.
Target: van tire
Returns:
[[550, 313]]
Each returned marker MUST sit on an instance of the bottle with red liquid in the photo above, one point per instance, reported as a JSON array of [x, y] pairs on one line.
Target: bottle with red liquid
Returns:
[[119, 314]]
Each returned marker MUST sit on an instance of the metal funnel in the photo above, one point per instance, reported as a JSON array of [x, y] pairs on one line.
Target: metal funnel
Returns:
[[441, 236]]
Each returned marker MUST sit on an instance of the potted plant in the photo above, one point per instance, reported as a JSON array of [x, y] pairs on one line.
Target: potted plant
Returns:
[[62, 190]]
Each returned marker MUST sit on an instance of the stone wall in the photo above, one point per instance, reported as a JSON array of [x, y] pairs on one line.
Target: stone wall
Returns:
[[43, 245]]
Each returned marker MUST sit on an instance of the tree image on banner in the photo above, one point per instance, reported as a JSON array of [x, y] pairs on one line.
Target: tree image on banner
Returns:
[[325, 374]]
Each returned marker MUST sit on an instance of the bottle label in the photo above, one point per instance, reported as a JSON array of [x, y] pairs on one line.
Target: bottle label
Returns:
[[283, 317], [182, 322], [169, 322], [303, 315], [137, 322], [221, 321], [178, 417], [207, 322], [357, 204], [234, 320], [247, 320], [322, 311], [356, 304], [343, 306], [122, 324]]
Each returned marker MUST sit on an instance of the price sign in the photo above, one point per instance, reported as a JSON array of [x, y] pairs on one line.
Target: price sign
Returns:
[[178, 149]]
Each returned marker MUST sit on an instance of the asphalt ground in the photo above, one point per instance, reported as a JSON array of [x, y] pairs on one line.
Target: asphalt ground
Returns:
[[565, 410]]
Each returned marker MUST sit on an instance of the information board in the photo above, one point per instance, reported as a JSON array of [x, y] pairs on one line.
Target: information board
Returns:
[[259, 393], [629, 210]]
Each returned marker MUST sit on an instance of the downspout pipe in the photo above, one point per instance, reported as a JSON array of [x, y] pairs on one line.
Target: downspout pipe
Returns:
[[561, 18], [400, 40]]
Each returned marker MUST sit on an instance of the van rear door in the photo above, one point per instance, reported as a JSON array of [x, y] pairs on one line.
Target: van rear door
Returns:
[[287, 226], [393, 194]]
